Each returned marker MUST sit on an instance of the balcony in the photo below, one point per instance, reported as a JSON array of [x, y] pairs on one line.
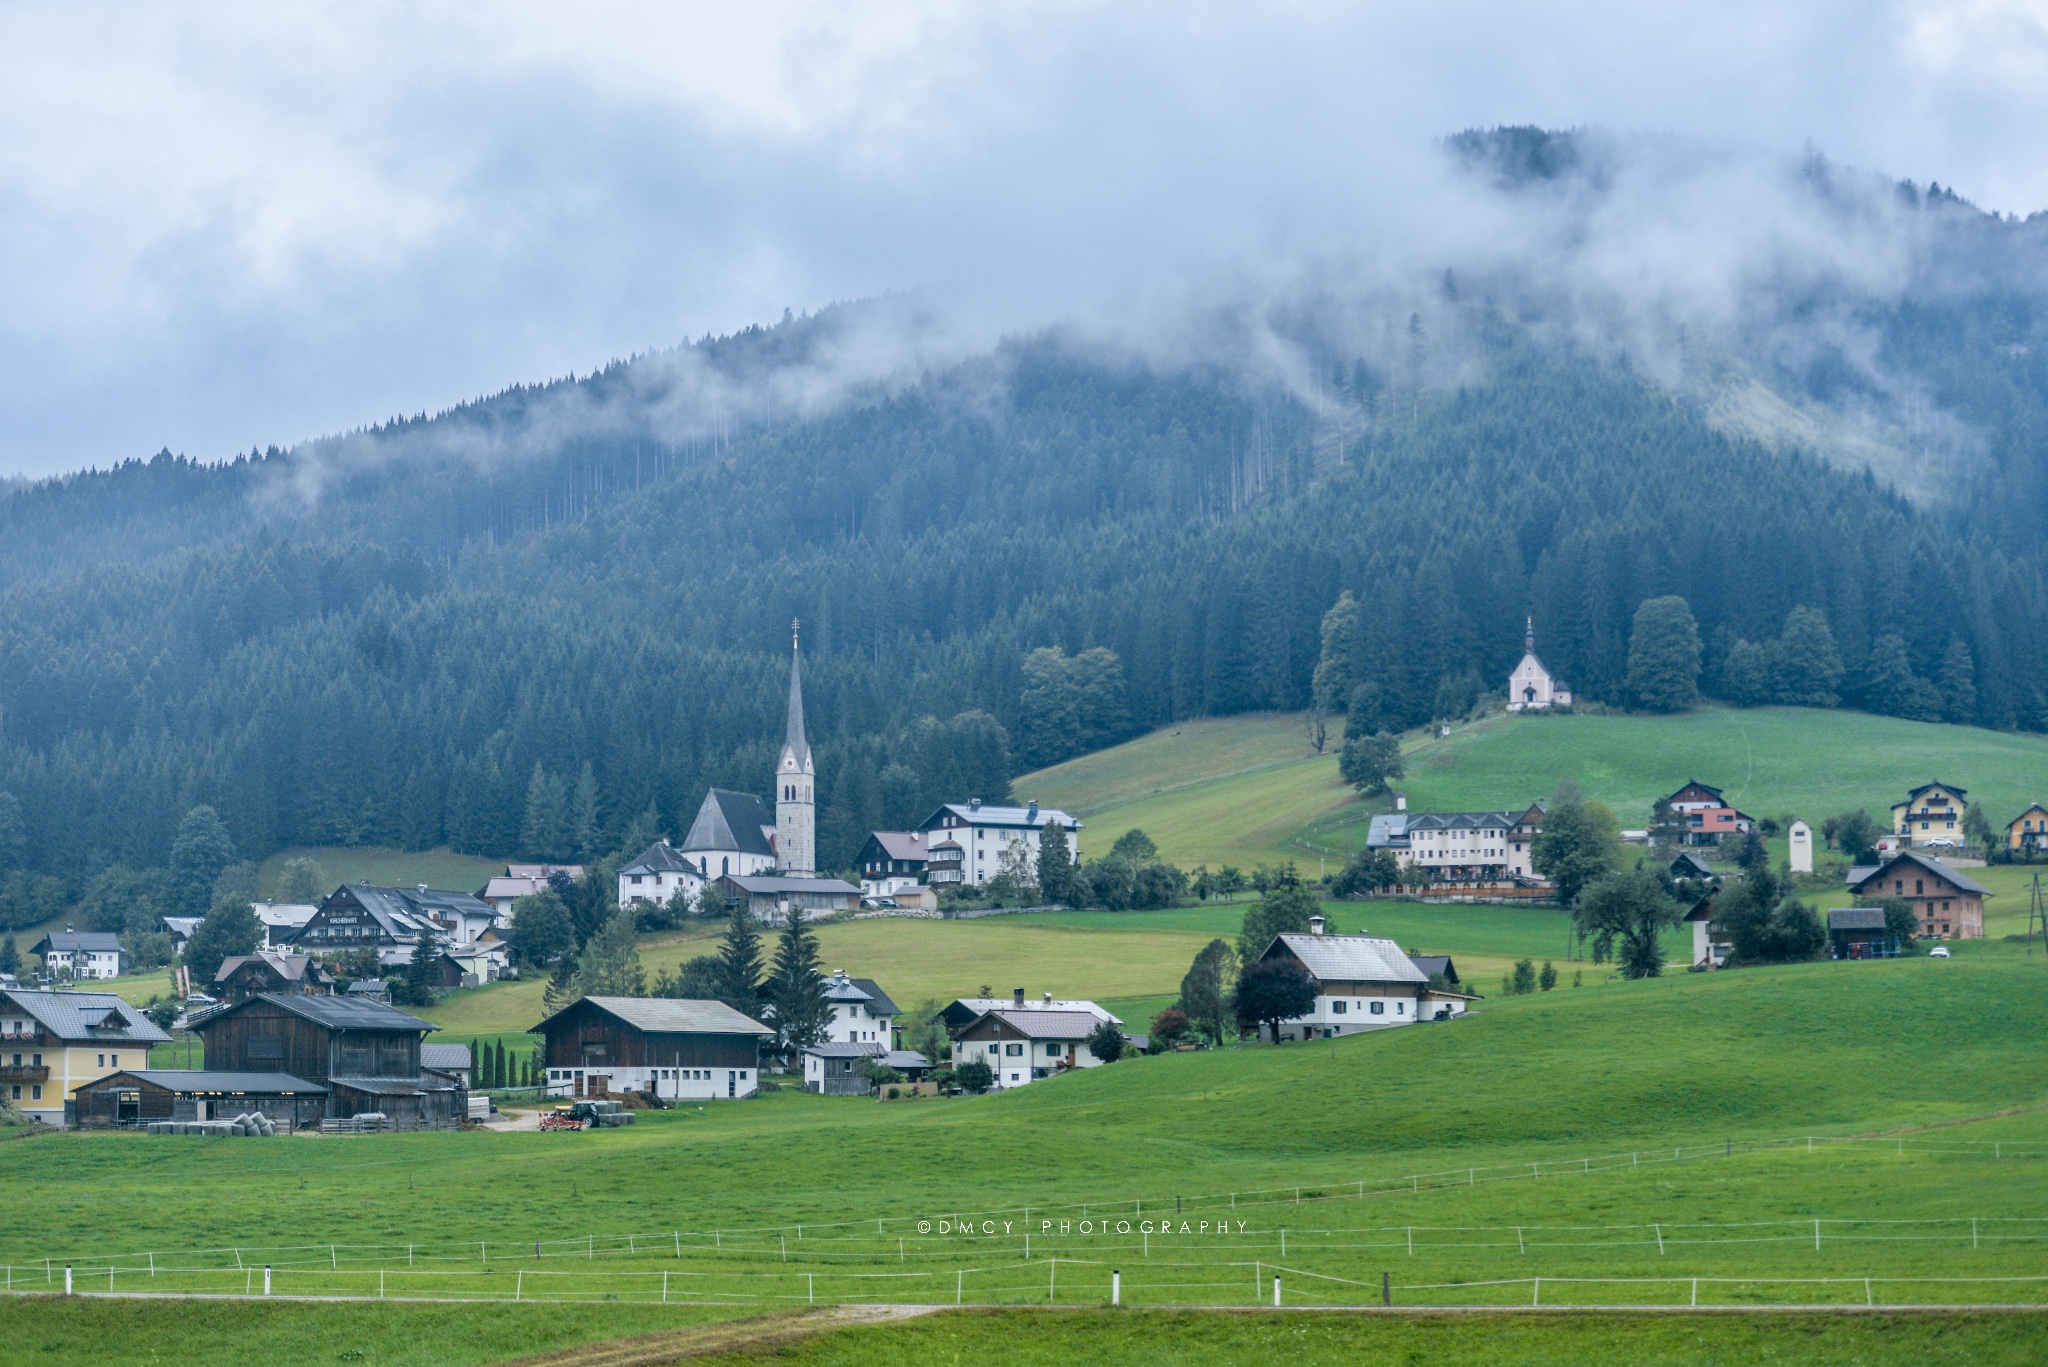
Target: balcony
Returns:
[[25, 1072]]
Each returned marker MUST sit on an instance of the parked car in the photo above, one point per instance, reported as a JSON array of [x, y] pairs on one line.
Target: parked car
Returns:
[[1941, 842], [1938, 952]]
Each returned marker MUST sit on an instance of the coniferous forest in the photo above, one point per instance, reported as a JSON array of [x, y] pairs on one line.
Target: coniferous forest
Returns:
[[502, 610]]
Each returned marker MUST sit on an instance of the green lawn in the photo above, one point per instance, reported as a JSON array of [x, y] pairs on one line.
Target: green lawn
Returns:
[[1075, 1338], [1174, 756], [441, 868]]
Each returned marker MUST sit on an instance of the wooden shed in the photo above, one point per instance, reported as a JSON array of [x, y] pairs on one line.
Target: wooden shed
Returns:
[[132, 1097], [365, 1053]]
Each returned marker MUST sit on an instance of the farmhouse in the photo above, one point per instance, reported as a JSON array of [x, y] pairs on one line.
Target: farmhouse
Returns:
[[1020, 1047], [50, 1042], [668, 1046], [661, 872], [365, 1053], [861, 1012], [983, 833], [1932, 814], [2028, 830], [81, 954], [1704, 817], [1710, 943], [1362, 983], [135, 1096], [1949, 906], [771, 896], [1531, 687], [891, 861], [391, 920], [964, 1011], [250, 975], [282, 921]]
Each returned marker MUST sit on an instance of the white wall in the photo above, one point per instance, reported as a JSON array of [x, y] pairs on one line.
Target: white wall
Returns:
[[699, 1084]]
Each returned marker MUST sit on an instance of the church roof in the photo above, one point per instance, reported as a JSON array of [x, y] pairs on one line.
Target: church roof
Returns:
[[731, 821], [795, 741]]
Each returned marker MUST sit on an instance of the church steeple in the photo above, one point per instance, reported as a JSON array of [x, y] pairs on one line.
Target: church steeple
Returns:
[[1529, 636], [796, 842]]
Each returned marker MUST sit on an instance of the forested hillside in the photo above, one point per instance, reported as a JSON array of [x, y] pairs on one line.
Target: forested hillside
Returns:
[[525, 636]]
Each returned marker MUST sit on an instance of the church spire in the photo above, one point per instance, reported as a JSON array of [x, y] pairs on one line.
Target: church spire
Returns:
[[795, 741], [1529, 635]]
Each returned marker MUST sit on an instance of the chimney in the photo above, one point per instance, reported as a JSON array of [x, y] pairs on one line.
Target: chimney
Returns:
[[1400, 802], [973, 804], [1020, 996], [1031, 812], [1048, 999], [1315, 925]]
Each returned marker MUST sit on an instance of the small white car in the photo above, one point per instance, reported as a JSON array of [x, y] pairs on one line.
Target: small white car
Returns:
[[1938, 952]]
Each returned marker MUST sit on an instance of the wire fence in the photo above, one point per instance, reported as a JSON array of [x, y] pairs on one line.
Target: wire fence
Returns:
[[1206, 1215]]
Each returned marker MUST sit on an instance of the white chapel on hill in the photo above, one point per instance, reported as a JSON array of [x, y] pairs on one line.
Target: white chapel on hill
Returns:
[[1531, 687]]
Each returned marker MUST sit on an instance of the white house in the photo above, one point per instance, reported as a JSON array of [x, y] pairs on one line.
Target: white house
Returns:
[[673, 1047], [1531, 686], [1362, 983], [282, 921], [1801, 843], [660, 873], [836, 1069], [81, 953], [520, 879], [983, 833], [962, 1012], [1463, 847], [1710, 944], [861, 1012], [890, 862], [1021, 1047]]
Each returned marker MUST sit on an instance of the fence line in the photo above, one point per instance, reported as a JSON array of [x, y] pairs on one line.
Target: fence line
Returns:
[[1355, 1189]]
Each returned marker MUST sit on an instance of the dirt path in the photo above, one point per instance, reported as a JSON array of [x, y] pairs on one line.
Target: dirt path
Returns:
[[760, 1331]]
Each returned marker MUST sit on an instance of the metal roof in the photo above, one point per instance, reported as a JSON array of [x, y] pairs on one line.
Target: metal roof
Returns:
[[836, 1050], [445, 1056], [771, 883], [900, 844], [981, 1006], [906, 1058], [1351, 958], [672, 1016], [731, 821], [883, 1006], [1856, 918], [1930, 787], [1043, 1024], [290, 967], [1433, 964], [189, 1080], [1387, 829], [80, 1016], [393, 1086], [660, 857], [1030, 817], [336, 1013], [794, 741], [1460, 821], [840, 988], [80, 941]]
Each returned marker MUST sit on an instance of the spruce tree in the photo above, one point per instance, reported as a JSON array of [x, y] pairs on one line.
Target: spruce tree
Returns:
[[739, 964], [423, 973], [1334, 675], [1958, 682], [797, 987], [200, 852], [1808, 664], [561, 990], [10, 957], [609, 965], [1056, 881]]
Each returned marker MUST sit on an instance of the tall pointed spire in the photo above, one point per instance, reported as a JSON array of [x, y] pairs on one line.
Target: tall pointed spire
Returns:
[[797, 745], [1529, 635]]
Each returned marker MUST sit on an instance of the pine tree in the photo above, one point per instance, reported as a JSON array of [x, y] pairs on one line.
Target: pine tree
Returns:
[[610, 965], [13, 832], [1808, 665], [200, 852], [544, 831], [1055, 865], [739, 964], [423, 973], [10, 957], [583, 837], [1664, 656], [1958, 683], [1889, 681], [561, 990], [797, 988]]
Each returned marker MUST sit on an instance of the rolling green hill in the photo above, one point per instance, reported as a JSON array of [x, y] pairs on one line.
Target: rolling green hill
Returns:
[[1259, 803]]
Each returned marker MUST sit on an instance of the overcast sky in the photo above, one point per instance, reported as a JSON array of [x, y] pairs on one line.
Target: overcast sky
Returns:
[[230, 226]]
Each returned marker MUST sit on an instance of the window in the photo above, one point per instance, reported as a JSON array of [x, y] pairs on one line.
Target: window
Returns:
[[102, 1060], [743, 1075], [114, 1060], [1015, 1051], [16, 1093], [1379, 1008], [35, 1093], [1338, 1008]]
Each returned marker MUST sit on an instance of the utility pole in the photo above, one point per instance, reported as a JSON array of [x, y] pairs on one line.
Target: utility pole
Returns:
[[2037, 908]]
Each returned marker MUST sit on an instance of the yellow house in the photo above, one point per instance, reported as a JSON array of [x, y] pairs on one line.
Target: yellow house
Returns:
[[1932, 814], [53, 1042], [2028, 830]]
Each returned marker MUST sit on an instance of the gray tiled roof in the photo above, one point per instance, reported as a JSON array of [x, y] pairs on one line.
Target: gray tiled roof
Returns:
[[985, 815], [1856, 918], [1388, 829], [906, 1058], [674, 1015], [834, 1050], [731, 821], [902, 845], [1043, 1024], [1932, 865], [394, 1086], [883, 1006], [79, 1016], [770, 884], [187, 1080], [660, 857], [1351, 958]]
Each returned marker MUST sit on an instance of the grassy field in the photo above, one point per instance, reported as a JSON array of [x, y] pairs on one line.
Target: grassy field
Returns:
[[1144, 1338], [441, 868], [1771, 761]]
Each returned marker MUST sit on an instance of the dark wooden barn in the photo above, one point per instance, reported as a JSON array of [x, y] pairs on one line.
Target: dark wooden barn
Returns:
[[668, 1046], [365, 1053], [135, 1097]]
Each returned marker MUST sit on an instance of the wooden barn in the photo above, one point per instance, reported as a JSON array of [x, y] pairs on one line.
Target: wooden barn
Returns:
[[365, 1053], [135, 1097], [671, 1047]]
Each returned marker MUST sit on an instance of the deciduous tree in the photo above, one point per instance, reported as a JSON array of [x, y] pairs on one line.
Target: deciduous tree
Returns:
[[1664, 656]]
